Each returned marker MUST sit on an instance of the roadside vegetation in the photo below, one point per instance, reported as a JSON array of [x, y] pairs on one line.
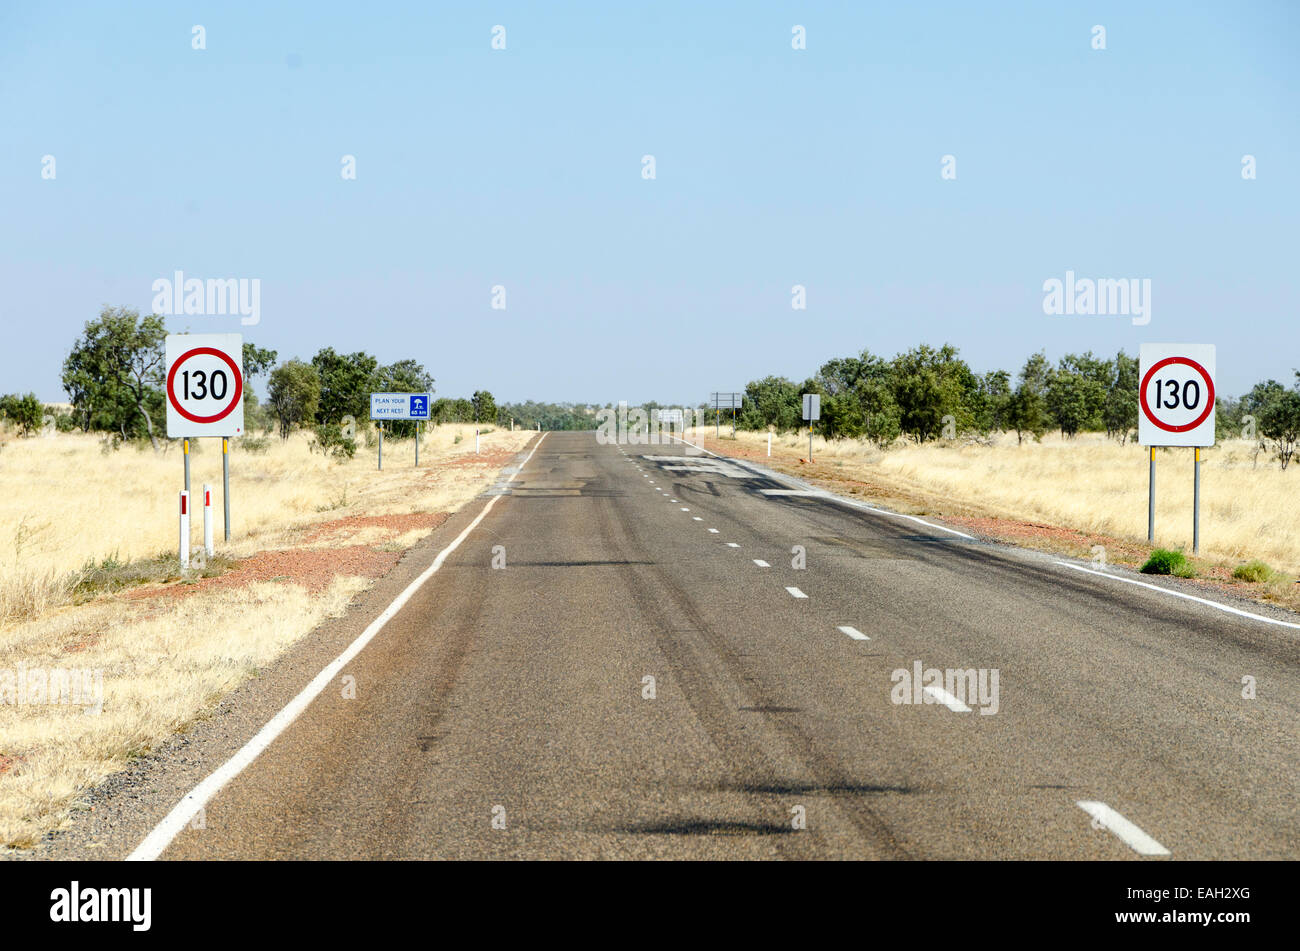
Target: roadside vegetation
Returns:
[[930, 394], [89, 580]]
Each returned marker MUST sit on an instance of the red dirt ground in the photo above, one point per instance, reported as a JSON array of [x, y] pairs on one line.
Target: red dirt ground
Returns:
[[314, 569]]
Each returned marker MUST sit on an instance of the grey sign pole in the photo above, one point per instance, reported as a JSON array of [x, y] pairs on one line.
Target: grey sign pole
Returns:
[[185, 448], [1196, 506], [381, 447], [1151, 499], [225, 480], [417, 444]]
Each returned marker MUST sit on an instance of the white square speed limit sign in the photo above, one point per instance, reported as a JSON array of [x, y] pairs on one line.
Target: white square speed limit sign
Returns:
[[205, 385], [1176, 394]]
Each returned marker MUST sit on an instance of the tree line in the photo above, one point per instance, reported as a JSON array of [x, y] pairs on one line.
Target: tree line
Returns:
[[927, 392], [114, 378]]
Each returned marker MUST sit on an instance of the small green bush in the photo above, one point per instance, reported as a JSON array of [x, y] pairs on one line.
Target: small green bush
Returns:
[[1164, 561], [253, 444], [331, 441], [1254, 570]]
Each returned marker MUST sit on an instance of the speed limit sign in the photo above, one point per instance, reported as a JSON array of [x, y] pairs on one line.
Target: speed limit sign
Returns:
[[205, 385], [1176, 394]]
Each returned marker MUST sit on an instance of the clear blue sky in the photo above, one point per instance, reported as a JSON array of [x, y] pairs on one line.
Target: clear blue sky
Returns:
[[522, 167]]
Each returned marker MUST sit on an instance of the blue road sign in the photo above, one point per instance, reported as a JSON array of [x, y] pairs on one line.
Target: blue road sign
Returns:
[[399, 406]]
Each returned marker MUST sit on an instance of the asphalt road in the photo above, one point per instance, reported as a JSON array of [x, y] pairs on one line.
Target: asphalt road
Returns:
[[505, 712]]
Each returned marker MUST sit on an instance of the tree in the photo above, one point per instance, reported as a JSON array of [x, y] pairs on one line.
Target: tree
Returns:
[[404, 376], [114, 373], [771, 401], [929, 384], [1027, 406], [257, 362], [995, 394], [26, 412], [1120, 411], [1279, 422], [485, 407], [294, 394], [346, 382]]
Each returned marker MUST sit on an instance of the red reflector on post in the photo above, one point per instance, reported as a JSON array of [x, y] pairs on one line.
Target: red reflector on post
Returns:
[[184, 498]]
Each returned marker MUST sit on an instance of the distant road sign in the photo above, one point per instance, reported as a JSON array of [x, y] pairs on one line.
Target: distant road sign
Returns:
[[399, 405], [1176, 394], [812, 407], [726, 400], [668, 415], [205, 385]]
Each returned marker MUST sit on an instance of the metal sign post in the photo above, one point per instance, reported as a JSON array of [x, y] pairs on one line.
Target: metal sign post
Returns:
[[1196, 505], [381, 447], [812, 411], [1151, 499], [1176, 407], [225, 480], [185, 451]]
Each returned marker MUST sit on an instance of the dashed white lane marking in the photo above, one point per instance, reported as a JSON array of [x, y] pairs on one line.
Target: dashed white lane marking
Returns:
[[713, 531], [947, 699], [697, 518], [684, 508], [732, 545], [672, 500], [1178, 594], [796, 593], [1127, 832], [853, 632], [198, 797], [761, 563]]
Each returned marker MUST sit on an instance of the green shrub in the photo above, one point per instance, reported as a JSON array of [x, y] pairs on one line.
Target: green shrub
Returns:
[[1164, 561], [1254, 570], [331, 441], [26, 412], [253, 444]]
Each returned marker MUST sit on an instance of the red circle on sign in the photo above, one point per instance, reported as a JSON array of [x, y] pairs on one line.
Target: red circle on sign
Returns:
[[234, 369], [1209, 402]]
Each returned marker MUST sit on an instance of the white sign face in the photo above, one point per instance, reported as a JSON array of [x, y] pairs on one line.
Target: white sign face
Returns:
[[1176, 394], [400, 405], [669, 415], [205, 385], [726, 400], [812, 407]]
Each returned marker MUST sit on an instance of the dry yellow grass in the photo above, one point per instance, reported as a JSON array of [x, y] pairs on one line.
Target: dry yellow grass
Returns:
[[63, 503], [1250, 508]]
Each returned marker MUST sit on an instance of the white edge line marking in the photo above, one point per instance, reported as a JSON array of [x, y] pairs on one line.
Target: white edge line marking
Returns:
[[1178, 594], [156, 842], [1127, 832], [761, 563], [843, 501], [947, 699], [796, 593], [853, 632]]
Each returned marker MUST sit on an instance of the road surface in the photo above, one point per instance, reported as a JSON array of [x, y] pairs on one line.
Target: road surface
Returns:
[[506, 712]]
